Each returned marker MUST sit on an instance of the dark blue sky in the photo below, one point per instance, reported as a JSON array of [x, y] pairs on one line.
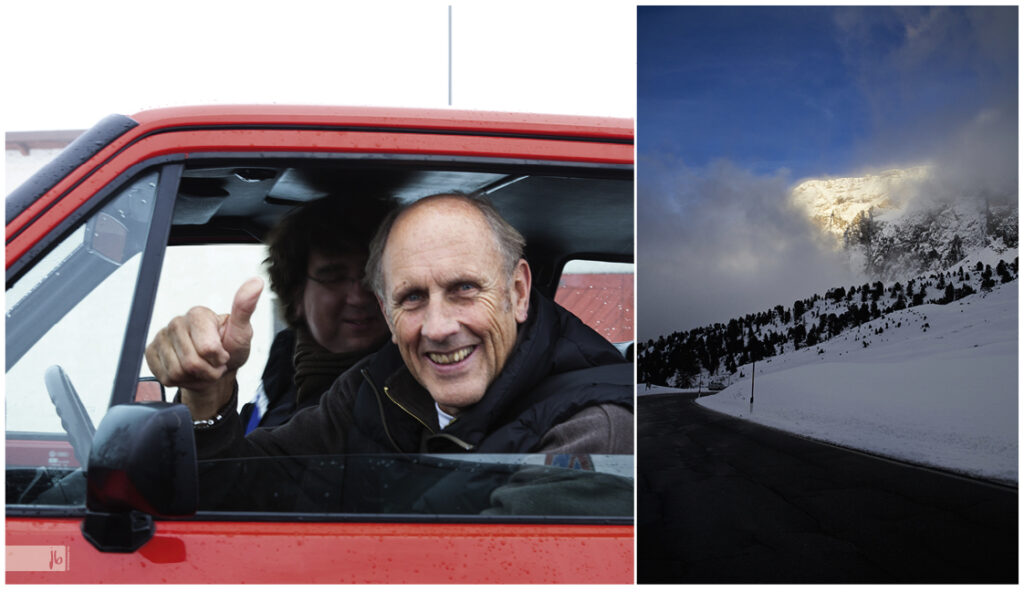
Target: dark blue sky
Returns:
[[737, 104], [806, 88], [764, 87]]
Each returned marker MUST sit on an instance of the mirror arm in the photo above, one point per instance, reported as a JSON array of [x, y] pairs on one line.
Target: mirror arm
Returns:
[[118, 532]]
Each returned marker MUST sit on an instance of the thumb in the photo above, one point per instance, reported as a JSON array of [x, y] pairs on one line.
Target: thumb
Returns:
[[237, 331]]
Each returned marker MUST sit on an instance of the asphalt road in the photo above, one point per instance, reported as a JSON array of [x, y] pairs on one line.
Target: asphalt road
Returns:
[[722, 500]]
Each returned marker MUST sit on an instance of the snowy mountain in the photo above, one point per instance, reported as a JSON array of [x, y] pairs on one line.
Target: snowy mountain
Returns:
[[716, 353], [904, 222], [835, 204], [924, 370], [919, 363]]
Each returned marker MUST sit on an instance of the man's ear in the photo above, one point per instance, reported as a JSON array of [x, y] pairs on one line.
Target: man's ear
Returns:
[[387, 318], [521, 282]]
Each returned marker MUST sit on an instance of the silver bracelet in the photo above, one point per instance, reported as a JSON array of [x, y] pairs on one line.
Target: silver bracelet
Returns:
[[204, 424]]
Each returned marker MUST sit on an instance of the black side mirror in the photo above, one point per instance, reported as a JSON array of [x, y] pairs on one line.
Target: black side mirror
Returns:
[[142, 464]]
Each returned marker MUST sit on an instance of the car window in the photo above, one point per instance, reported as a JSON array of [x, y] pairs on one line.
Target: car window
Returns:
[[66, 322], [601, 295], [553, 486], [54, 309]]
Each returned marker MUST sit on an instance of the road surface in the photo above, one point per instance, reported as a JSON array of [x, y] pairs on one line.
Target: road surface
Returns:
[[723, 500]]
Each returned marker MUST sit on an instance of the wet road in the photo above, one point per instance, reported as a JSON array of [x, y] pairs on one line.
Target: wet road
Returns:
[[722, 500]]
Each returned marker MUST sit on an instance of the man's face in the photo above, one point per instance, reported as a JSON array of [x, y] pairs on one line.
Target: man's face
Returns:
[[341, 314], [451, 305]]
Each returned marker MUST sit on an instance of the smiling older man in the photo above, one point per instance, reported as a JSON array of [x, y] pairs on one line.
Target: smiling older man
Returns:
[[479, 361]]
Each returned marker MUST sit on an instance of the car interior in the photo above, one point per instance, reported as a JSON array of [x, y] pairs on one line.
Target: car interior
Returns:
[[562, 212]]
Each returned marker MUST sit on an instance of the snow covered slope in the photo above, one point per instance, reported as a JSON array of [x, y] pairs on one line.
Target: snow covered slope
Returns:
[[938, 386]]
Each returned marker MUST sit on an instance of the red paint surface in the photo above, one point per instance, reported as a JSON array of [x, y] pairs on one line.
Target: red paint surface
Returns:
[[222, 552], [440, 119]]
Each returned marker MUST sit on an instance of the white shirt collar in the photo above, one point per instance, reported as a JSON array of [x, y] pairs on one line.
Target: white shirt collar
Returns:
[[443, 418]]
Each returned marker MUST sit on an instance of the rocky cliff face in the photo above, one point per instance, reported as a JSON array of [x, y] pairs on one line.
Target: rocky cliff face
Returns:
[[901, 222], [835, 204]]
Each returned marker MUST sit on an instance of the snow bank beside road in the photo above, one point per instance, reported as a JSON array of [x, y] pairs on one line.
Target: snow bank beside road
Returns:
[[940, 389]]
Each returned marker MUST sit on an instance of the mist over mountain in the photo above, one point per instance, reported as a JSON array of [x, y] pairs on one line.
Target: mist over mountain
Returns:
[[733, 113], [901, 222], [908, 235]]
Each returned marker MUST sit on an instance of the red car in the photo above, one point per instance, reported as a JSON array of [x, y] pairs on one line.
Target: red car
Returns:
[[142, 212]]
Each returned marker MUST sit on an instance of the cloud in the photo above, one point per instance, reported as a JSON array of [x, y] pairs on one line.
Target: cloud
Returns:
[[927, 74], [719, 242], [980, 157], [941, 86]]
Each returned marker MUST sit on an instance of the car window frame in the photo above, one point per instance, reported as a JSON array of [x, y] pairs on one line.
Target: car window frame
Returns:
[[171, 167], [134, 344]]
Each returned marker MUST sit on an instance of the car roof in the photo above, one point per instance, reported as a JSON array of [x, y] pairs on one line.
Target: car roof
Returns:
[[388, 117]]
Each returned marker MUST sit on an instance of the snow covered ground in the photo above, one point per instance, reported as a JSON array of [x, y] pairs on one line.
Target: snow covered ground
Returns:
[[940, 389]]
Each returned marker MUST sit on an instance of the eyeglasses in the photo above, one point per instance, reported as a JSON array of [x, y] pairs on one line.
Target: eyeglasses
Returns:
[[335, 278]]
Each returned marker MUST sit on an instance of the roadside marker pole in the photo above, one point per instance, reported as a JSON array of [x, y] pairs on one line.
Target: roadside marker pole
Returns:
[[752, 386]]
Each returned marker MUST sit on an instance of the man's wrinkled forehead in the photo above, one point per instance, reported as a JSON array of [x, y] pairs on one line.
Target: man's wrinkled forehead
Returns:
[[438, 210], [446, 216]]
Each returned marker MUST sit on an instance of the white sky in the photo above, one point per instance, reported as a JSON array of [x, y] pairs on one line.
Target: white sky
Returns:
[[68, 64]]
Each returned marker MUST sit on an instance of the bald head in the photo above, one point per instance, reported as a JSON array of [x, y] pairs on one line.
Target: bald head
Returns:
[[508, 240]]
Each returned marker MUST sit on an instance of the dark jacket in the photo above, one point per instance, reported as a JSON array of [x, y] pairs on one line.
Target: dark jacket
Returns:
[[277, 384], [545, 399], [298, 372], [559, 368]]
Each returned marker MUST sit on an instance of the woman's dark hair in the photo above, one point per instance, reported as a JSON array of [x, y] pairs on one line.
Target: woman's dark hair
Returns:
[[332, 226]]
